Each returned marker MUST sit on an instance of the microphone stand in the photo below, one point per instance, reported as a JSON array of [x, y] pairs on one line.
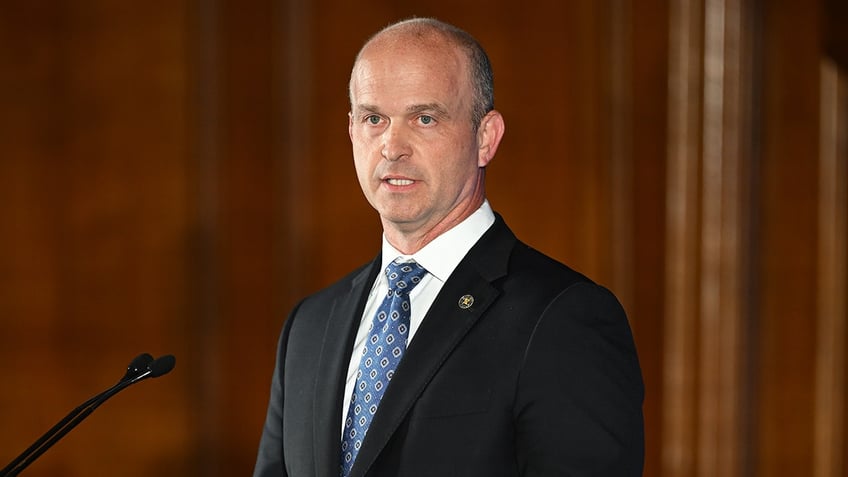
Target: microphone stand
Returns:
[[142, 367]]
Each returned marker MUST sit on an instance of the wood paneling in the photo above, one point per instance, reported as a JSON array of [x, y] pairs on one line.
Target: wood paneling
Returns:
[[831, 398], [93, 251], [175, 176], [835, 33], [709, 156], [787, 248], [679, 419]]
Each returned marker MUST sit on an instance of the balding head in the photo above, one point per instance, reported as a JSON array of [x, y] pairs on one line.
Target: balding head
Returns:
[[430, 32]]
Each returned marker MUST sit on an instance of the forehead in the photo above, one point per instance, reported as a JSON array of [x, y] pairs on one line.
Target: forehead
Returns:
[[410, 68]]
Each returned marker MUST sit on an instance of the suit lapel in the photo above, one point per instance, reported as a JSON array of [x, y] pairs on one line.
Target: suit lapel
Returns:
[[330, 380], [442, 330]]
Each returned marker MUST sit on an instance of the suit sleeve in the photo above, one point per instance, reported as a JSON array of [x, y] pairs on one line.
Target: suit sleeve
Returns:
[[579, 400], [270, 461]]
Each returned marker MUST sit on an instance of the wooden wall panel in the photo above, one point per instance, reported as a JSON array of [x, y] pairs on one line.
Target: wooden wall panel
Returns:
[[173, 177], [835, 34], [787, 251], [679, 420], [830, 365], [648, 50], [93, 140], [831, 404], [247, 227], [708, 287]]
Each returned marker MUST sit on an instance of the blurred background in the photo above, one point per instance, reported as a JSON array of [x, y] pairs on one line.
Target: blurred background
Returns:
[[175, 174]]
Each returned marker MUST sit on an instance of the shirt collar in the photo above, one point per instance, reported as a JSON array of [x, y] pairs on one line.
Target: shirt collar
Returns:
[[442, 255]]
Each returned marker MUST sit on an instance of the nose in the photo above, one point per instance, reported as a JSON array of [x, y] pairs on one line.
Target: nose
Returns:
[[395, 142]]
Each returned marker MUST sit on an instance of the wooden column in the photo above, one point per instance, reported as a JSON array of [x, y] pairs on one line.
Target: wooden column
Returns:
[[707, 289], [831, 397]]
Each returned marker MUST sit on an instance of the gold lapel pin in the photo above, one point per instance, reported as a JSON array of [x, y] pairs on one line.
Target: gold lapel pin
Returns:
[[466, 301]]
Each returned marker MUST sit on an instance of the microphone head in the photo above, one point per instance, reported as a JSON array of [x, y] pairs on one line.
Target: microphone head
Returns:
[[162, 365], [137, 366]]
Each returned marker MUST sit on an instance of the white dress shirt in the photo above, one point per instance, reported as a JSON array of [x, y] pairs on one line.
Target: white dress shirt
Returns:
[[439, 257]]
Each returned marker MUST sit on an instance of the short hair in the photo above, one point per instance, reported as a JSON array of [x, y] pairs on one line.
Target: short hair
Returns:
[[482, 78]]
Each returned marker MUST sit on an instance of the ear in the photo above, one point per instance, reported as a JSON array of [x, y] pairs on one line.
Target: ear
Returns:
[[489, 135], [350, 125]]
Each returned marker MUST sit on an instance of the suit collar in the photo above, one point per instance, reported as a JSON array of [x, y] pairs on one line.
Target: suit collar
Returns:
[[330, 379], [490, 255]]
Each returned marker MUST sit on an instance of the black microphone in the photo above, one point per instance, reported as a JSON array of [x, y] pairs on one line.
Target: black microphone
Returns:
[[162, 365], [137, 366], [141, 367]]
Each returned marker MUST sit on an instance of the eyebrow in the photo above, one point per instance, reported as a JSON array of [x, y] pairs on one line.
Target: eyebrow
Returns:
[[367, 108], [435, 108]]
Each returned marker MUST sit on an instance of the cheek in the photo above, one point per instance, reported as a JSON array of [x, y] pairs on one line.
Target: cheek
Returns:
[[456, 163], [360, 164], [364, 167], [363, 147]]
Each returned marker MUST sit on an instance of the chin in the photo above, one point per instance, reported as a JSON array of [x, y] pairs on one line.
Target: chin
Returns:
[[399, 219]]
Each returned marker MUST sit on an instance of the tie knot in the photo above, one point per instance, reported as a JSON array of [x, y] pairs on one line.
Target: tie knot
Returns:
[[404, 276]]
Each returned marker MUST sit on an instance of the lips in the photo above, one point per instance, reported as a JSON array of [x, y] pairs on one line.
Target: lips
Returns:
[[399, 181]]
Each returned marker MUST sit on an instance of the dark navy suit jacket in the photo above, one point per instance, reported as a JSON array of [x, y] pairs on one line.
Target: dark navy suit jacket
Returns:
[[538, 377]]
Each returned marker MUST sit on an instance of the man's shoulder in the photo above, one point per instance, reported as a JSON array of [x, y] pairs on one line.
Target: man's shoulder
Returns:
[[501, 253], [531, 264]]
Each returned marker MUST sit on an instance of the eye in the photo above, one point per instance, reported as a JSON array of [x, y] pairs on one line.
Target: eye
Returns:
[[372, 119], [426, 120]]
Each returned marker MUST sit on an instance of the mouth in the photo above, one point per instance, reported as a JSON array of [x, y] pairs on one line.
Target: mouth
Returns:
[[399, 182]]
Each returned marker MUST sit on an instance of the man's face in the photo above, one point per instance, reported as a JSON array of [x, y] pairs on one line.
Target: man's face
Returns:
[[414, 147]]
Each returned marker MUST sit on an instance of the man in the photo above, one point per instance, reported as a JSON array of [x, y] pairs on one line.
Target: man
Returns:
[[476, 355]]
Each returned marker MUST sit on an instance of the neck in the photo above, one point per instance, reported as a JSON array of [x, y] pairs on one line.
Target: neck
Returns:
[[414, 239]]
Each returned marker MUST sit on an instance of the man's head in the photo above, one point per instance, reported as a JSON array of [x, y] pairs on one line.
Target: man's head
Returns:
[[482, 79], [422, 128]]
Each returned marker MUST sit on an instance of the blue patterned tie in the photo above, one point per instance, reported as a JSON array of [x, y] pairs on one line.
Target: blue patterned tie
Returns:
[[380, 357]]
